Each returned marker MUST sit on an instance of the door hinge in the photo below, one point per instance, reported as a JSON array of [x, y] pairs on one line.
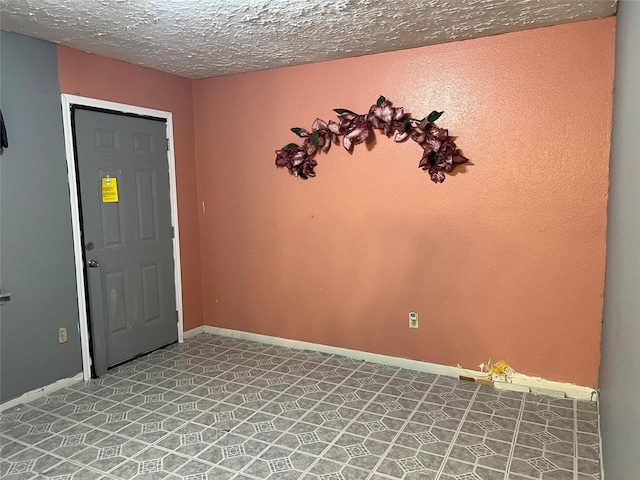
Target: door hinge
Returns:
[[173, 232], [167, 144], [177, 317]]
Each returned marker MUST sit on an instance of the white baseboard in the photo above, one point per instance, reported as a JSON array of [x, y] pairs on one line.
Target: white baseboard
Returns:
[[192, 333], [41, 392], [519, 382]]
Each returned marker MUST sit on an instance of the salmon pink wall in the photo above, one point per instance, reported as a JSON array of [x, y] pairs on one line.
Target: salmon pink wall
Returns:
[[503, 261], [98, 77]]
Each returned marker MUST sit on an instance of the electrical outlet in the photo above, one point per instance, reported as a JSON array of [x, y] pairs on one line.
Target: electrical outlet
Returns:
[[62, 335], [413, 320]]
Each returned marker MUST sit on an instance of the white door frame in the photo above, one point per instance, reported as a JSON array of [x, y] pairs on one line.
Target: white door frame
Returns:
[[67, 102]]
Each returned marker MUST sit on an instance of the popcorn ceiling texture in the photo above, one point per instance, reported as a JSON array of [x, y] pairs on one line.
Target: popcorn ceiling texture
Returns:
[[198, 39]]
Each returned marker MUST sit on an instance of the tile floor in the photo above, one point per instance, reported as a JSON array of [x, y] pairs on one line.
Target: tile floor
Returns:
[[218, 408]]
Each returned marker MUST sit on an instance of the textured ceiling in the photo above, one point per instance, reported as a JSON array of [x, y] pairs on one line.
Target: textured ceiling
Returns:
[[198, 38]]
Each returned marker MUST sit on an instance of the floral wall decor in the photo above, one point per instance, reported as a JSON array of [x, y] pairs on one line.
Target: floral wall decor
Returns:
[[440, 153]]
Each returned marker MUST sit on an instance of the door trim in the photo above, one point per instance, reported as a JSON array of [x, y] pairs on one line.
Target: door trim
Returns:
[[74, 100]]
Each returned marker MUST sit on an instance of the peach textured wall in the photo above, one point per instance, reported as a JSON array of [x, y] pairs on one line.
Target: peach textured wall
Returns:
[[98, 77], [505, 260]]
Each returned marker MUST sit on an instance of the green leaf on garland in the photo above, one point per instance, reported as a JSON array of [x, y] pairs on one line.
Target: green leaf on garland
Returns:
[[314, 138], [289, 146], [380, 101], [342, 111], [433, 116], [297, 131]]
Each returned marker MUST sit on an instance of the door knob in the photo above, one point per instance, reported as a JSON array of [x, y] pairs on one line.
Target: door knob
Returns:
[[93, 264]]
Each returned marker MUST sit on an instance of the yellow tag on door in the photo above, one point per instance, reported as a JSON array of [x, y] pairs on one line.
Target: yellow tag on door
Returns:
[[109, 190]]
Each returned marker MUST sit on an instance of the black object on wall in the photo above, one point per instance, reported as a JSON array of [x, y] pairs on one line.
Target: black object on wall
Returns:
[[4, 142]]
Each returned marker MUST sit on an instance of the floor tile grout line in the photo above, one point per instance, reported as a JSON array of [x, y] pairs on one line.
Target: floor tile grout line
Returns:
[[406, 422], [337, 386], [575, 440], [523, 402], [57, 456], [163, 437], [249, 359], [155, 444], [148, 446], [369, 402], [264, 372], [85, 423], [110, 432], [270, 444], [455, 436], [179, 454], [341, 431]]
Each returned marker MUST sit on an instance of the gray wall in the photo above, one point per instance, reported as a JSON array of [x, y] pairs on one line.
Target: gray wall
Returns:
[[36, 249], [620, 366]]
